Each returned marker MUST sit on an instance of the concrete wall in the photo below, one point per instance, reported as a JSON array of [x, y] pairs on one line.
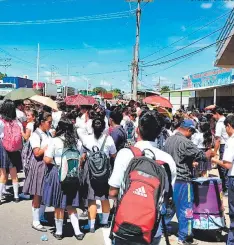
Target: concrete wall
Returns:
[[175, 100]]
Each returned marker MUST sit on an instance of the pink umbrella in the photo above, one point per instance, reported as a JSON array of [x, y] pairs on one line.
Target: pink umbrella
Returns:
[[158, 101], [77, 100]]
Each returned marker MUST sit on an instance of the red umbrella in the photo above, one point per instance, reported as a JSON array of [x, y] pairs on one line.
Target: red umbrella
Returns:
[[77, 100], [91, 100], [158, 101]]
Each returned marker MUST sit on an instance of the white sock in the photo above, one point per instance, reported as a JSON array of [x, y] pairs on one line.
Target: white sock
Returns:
[[75, 223], [105, 217], [36, 216], [59, 226], [1, 190], [4, 189], [42, 211], [16, 190], [92, 224]]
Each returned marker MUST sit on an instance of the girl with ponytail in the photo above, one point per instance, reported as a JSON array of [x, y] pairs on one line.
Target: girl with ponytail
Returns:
[[97, 190]]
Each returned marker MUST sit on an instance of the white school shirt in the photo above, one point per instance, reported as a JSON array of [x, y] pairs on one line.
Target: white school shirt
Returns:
[[125, 155], [228, 155], [30, 126], [198, 140], [35, 139], [220, 131], [55, 149], [21, 115], [90, 141], [2, 124]]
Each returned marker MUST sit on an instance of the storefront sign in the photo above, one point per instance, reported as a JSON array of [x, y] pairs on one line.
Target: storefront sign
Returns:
[[215, 77]]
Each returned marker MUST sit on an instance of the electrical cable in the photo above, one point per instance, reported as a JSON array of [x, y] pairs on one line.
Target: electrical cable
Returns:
[[188, 54], [210, 34], [201, 28], [117, 15]]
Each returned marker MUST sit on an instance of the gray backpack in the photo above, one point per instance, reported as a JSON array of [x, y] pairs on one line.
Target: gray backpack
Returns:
[[99, 164]]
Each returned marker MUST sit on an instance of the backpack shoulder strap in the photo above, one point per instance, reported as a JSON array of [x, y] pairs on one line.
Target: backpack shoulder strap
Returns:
[[136, 151], [38, 133], [104, 142]]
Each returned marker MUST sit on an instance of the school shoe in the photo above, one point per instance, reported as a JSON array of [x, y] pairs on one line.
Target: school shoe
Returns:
[[84, 215], [58, 237], [16, 200], [80, 237], [192, 242]]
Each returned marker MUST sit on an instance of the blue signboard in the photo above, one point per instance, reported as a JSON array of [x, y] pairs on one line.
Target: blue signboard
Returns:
[[210, 78]]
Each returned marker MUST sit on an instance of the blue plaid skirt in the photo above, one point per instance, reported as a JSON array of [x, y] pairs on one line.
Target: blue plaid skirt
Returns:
[[5, 161]]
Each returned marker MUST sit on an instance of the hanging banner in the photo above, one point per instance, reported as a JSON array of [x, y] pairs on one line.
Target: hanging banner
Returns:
[[216, 77]]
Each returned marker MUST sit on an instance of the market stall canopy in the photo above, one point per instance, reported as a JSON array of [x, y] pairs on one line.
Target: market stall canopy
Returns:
[[45, 101], [158, 101], [210, 107], [77, 100], [20, 94]]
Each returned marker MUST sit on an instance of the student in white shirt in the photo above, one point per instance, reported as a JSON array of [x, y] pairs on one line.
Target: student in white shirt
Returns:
[[96, 190], [221, 138], [228, 163], [57, 195], [34, 180], [31, 118], [148, 130], [19, 111]]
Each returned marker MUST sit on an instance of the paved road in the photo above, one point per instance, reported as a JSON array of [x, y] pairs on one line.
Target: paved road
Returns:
[[15, 229]]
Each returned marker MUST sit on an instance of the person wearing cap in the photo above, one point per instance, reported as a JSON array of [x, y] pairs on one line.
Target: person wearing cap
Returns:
[[186, 156]]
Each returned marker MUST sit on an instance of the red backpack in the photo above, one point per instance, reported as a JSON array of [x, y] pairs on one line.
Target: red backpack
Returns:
[[12, 140], [140, 199]]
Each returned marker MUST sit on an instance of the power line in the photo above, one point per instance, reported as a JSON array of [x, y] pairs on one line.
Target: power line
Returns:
[[117, 15], [188, 54], [168, 67], [210, 34], [201, 28]]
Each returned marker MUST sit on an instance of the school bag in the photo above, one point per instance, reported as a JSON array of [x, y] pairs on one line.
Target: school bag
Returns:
[[99, 164], [12, 140], [129, 128], [141, 195], [69, 167]]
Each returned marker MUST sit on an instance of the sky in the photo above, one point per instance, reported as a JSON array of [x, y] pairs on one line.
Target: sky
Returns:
[[91, 42]]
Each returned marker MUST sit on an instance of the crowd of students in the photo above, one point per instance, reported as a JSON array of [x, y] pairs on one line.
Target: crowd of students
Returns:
[[34, 138]]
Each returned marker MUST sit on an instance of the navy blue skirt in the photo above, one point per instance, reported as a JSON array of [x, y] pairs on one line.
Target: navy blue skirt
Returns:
[[5, 161], [94, 190], [56, 194]]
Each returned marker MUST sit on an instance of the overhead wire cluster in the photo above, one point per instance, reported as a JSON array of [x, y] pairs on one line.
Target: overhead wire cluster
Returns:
[[117, 15]]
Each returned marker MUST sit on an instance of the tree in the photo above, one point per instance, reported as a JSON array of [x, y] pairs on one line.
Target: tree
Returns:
[[165, 89], [99, 90], [116, 90], [2, 75]]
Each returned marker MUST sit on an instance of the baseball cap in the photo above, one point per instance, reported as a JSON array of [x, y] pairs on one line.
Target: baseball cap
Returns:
[[187, 123]]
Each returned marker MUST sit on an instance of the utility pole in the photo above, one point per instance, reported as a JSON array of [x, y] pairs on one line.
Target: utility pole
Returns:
[[38, 61], [159, 84], [135, 63]]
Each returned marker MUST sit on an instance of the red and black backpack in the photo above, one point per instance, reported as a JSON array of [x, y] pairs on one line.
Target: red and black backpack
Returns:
[[140, 199]]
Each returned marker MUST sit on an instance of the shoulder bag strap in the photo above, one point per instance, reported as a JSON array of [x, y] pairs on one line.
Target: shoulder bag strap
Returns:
[[104, 142]]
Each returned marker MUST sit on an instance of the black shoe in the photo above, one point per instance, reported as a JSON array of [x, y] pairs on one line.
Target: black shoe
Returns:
[[80, 237], [16, 200], [58, 237], [84, 214], [0, 203], [104, 225], [92, 230]]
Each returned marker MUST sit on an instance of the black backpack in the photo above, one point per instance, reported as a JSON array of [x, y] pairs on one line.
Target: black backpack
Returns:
[[99, 164]]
